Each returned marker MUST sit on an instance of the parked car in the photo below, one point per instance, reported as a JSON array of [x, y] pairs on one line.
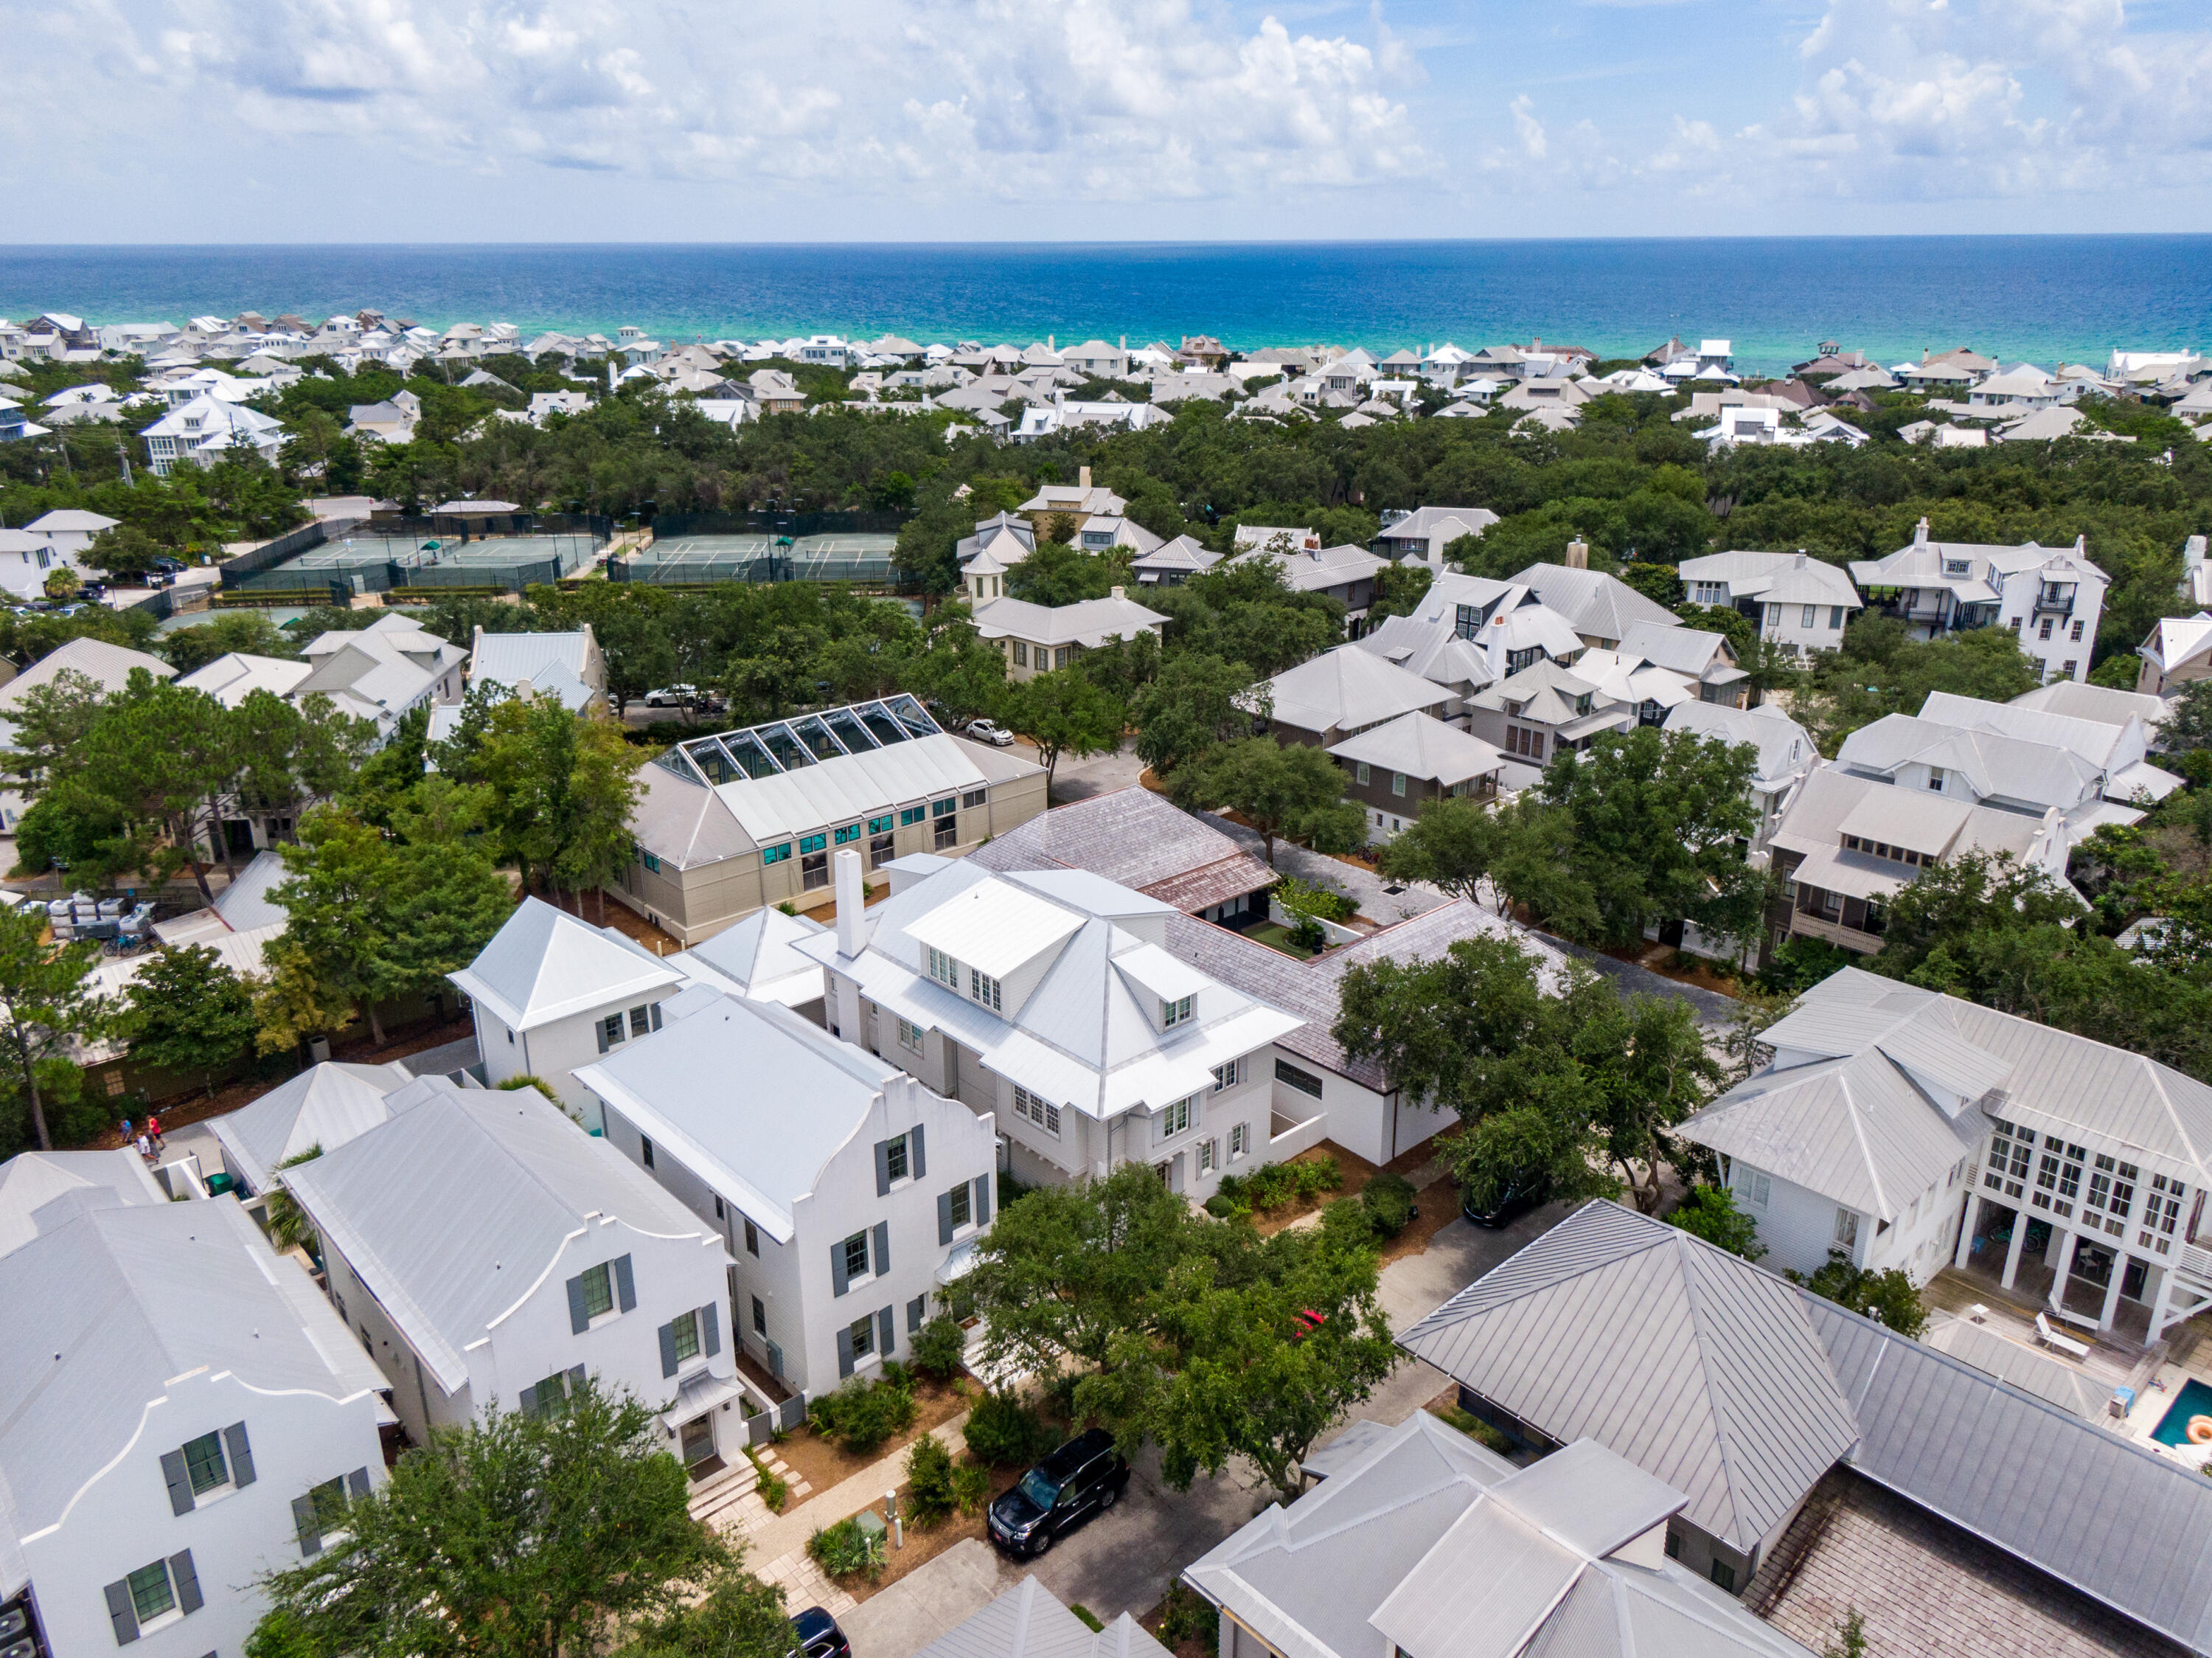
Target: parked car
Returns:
[[818, 1635], [990, 731], [1522, 1194], [672, 696], [1084, 1476]]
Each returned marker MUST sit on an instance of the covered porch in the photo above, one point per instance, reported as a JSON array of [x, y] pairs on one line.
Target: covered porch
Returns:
[[2093, 1276]]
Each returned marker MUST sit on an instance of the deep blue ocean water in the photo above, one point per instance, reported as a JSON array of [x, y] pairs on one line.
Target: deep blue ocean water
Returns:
[[2041, 298]]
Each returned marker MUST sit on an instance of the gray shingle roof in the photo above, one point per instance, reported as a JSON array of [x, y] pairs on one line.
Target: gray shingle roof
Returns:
[[1136, 838], [1600, 606], [1693, 1364]]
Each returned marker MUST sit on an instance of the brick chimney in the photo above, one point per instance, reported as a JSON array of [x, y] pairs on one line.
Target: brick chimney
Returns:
[[1577, 554]]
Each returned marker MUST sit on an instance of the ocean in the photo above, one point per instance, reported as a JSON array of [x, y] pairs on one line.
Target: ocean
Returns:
[[2044, 299]]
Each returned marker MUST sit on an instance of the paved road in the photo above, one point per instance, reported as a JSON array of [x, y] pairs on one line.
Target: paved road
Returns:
[[1101, 774], [1124, 1560]]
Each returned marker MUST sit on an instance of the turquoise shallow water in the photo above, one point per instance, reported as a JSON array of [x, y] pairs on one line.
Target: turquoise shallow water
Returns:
[[2043, 298]]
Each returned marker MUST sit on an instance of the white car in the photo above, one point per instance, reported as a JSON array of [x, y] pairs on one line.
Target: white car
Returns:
[[672, 696], [991, 732]]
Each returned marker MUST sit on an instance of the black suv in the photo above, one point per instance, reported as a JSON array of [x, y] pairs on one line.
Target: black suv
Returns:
[[818, 1635], [1086, 1476], [1521, 1193]]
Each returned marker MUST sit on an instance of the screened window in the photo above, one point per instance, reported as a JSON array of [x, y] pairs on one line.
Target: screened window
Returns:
[[598, 1291], [685, 1326], [205, 1464]]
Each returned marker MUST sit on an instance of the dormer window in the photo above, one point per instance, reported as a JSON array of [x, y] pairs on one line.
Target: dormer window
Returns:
[[945, 970], [984, 989], [1175, 1013], [1958, 567]]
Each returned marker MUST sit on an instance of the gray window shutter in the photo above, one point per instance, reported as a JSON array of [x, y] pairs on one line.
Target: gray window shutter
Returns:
[[883, 1169], [844, 1361], [710, 1330], [838, 1281], [529, 1404], [181, 1486], [579, 1319], [120, 1610], [982, 1199], [667, 1334], [945, 1217], [914, 1310], [187, 1581], [304, 1522], [919, 1165], [887, 1330], [625, 1285], [881, 1262], [600, 1026], [656, 1015], [576, 1381], [241, 1454], [357, 1483]]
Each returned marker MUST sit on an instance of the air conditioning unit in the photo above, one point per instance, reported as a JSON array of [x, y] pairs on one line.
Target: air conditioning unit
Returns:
[[25, 1649]]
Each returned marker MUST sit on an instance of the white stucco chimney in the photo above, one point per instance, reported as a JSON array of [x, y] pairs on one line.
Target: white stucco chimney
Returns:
[[1577, 554], [1083, 478], [1117, 593], [852, 897]]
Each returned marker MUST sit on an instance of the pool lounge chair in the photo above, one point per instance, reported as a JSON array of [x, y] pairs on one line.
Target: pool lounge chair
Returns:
[[2058, 1343]]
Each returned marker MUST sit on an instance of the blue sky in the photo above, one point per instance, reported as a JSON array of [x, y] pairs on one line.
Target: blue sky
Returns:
[[487, 120]]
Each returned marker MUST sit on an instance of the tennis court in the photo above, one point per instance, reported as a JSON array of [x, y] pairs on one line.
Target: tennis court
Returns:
[[694, 560], [431, 551]]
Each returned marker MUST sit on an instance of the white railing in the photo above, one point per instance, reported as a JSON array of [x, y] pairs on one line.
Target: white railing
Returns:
[[1297, 1137]]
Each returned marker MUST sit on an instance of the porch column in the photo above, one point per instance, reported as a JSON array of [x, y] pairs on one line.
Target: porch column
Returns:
[[2012, 1249], [2159, 1300], [1965, 1249], [2067, 1238], [2111, 1305]]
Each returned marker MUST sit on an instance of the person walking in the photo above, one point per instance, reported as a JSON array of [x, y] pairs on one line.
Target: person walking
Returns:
[[154, 1131], [128, 1136], [145, 1149]]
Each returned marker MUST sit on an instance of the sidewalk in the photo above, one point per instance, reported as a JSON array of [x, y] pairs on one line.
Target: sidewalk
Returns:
[[790, 1530]]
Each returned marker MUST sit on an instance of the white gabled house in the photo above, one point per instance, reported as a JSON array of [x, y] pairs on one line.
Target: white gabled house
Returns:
[[847, 1194], [180, 1412], [551, 993], [1798, 601], [1047, 1000], [1899, 1128], [2051, 597], [491, 1252], [205, 430]]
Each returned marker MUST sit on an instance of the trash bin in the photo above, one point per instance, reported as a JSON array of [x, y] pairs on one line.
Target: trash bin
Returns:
[[219, 1184]]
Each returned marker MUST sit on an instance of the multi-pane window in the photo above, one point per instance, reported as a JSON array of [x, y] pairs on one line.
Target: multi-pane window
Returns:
[[961, 1205], [812, 842], [2058, 1176], [909, 1036], [882, 848], [895, 1159], [598, 1291], [640, 1019], [848, 834], [776, 854], [1175, 1013], [752, 1239], [910, 815], [550, 1398], [1236, 1142], [2111, 1194], [1359, 771], [945, 970], [983, 988], [2162, 1213], [1035, 1109], [864, 1336], [611, 1029], [881, 826], [944, 808], [1303, 1081], [1758, 1189], [760, 1317], [329, 1502], [684, 1329], [205, 1464], [1847, 1229], [973, 797], [2011, 1151], [151, 1592], [1228, 1075], [856, 1256], [1206, 1156], [1172, 1121], [813, 868]]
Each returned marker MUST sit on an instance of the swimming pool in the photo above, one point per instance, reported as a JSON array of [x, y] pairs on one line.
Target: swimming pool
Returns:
[[2195, 1400]]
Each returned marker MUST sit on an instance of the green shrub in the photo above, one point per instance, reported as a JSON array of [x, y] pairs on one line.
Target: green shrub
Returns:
[[1390, 1202], [1003, 1432], [1347, 1224], [938, 1348], [929, 1481], [862, 1414], [1187, 1615], [773, 1488], [1089, 1618], [845, 1551], [972, 1487], [1315, 1176], [1482, 1432]]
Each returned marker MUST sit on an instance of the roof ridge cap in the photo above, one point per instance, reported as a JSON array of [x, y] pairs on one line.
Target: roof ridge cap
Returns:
[[1723, 1426]]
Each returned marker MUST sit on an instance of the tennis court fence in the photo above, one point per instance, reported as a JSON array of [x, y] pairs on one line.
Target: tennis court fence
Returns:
[[316, 564]]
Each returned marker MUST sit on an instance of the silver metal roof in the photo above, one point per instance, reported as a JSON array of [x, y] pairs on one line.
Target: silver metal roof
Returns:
[[31, 1181], [1693, 1364], [2118, 1522], [324, 1106], [1027, 1622], [544, 963]]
